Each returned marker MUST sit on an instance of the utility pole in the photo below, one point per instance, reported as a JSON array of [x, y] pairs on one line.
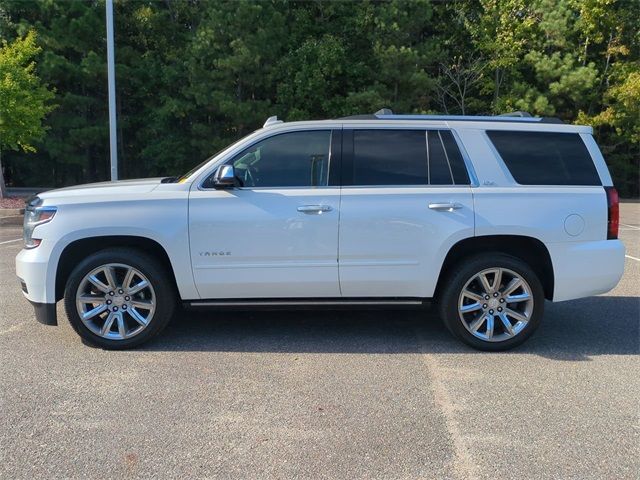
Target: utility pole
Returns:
[[111, 78]]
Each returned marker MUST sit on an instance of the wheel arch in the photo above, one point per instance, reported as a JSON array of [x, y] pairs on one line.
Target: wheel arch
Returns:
[[528, 249], [80, 249]]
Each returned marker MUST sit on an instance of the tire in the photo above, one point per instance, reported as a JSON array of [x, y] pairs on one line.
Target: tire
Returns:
[[467, 318], [137, 311]]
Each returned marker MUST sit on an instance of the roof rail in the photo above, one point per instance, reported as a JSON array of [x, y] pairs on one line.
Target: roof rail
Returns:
[[525, 117], [518, 113], [271, 121]]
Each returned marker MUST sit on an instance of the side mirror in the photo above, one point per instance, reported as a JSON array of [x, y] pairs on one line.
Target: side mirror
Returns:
[[225, 177]]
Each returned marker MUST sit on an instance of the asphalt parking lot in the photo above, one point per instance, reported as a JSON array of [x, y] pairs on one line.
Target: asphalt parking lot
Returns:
[[381, 395]]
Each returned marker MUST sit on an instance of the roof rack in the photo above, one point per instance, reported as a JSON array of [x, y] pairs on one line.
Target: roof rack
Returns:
[[525, 117], [518, 113]]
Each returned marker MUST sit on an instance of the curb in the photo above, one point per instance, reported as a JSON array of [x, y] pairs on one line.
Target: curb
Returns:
[[9, 212], [11, 220]]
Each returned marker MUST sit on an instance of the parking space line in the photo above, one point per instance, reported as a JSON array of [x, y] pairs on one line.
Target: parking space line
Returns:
[[463, 466], [13, 328], [11, 241], [633, 258], [632, 227]]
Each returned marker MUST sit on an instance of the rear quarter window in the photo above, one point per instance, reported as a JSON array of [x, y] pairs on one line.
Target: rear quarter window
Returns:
[[545, 158]]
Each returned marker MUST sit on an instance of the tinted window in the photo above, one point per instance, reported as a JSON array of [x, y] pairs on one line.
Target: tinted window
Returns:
[[439, 171], [407, 157], [545, 158], [296, 159], [454, 157], [389, 157]]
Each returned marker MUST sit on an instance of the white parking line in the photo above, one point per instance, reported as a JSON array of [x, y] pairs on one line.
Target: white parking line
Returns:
[[632, 227], [11, 241], [633, 258]]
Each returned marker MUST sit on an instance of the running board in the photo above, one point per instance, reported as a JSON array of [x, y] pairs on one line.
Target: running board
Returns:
[[293, 303]]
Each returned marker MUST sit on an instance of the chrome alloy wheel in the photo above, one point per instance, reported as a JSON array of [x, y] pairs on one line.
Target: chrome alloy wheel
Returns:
[[115, 301], [495, 304]]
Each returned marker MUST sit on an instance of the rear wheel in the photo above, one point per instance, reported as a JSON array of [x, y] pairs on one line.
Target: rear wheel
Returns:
[[119, 298], [492, 302]]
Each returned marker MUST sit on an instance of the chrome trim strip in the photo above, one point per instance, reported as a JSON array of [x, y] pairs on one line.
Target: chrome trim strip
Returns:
[[420, 186]]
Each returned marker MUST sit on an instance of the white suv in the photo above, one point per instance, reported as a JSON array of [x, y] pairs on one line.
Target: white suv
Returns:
[[488, 216]]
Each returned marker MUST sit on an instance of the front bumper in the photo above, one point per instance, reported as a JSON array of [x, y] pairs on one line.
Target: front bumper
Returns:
[[32, 268], [38, 282], [45, 313]]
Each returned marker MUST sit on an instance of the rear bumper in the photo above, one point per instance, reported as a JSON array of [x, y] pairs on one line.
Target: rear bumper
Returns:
[[582, 269]]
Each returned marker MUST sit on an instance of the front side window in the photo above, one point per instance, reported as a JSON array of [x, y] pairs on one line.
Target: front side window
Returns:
[[407, 157], [545, 158], [295, 159]]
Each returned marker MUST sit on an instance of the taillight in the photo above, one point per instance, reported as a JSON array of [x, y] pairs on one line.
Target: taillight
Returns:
[[613, 212]]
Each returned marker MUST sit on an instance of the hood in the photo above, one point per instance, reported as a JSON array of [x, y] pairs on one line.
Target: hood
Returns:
[[107, 189]]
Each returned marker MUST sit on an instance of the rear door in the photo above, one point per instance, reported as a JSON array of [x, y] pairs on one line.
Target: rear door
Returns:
[[406, 199]]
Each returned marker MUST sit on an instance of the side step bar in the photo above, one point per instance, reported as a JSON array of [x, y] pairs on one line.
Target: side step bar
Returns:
[[307, 303]]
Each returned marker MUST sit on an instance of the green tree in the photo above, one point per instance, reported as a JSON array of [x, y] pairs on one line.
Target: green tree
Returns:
[[73, 61], [500, 31], [24, 100], [194, 75], [619, 124]]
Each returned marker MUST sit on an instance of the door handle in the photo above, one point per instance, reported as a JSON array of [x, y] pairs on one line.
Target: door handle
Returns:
[[314, 209], [445, 207]]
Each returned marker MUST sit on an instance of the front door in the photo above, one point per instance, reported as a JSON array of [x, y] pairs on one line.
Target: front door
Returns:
[[276, 236]]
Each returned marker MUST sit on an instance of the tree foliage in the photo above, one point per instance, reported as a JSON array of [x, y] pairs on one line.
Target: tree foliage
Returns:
[[24, 100], [194, 75]]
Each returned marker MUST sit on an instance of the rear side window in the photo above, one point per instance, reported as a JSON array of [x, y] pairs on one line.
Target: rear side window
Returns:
[[545, 158], [389, 157], [454, 158], [406, 157]]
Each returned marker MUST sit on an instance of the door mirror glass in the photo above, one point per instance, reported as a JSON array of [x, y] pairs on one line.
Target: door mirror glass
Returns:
[[224, 177]]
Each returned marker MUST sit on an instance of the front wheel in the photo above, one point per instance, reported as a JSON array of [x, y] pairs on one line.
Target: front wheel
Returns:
[[492, 302], [119, 298]]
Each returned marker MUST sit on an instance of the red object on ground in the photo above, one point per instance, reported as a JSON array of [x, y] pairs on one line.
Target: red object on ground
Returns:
[[12, 202]]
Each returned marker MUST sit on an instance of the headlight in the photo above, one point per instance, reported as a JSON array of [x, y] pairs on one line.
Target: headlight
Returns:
[[35, 215]]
